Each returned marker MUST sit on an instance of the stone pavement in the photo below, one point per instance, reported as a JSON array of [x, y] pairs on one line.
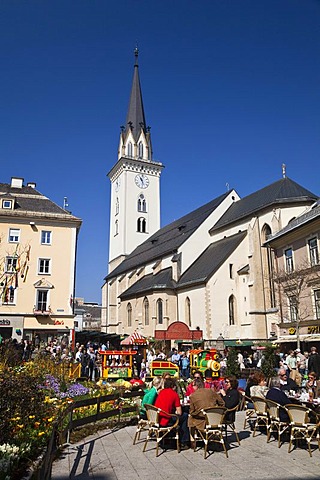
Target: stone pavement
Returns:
[[110, 455]]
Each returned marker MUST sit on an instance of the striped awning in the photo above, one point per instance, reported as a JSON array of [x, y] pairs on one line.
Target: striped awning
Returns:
[[135, 339]]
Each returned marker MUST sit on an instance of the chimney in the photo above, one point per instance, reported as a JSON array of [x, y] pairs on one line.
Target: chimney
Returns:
[[16, 182], [31, 184]]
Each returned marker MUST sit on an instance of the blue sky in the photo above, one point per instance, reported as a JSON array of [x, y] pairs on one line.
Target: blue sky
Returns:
[[230, 90]]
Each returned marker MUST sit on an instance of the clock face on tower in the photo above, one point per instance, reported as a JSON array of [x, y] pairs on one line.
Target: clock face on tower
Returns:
[[142, 181]]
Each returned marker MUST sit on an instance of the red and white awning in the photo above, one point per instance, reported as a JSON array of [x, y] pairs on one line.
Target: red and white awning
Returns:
[[135, 339]]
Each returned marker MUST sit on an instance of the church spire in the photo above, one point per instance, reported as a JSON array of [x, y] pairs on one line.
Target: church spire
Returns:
[[135, 117]]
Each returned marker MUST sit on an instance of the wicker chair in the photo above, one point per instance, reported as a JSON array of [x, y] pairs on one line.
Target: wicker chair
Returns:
[[214, 428], [250, 413], [229, 421], [300, 427], [142, 424], [155, 429], [261, 411], [275, 424]]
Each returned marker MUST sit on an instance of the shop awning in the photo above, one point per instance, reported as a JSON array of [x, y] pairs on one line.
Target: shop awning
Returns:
[[237, 343], [135, 339]]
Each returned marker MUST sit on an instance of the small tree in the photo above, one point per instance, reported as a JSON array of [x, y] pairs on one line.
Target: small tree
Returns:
[[233, 367], [268, 363]]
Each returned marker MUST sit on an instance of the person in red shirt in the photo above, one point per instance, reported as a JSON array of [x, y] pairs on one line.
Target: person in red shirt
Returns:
[[169, 401]]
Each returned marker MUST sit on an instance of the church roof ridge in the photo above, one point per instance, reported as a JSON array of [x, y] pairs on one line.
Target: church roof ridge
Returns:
[[169, 238], [281, 191]]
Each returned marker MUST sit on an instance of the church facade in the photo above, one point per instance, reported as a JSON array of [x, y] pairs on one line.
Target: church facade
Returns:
[[207, 272]]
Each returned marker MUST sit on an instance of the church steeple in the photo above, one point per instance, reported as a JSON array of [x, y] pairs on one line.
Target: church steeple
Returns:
[[135, 117], [135, 182], [135, 138]]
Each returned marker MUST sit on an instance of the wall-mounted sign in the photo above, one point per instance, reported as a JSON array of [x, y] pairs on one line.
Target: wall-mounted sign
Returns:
[[314, 329], [292, 331], [4, 321]]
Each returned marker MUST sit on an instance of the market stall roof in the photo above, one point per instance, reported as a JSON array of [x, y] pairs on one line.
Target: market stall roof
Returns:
[[135, 339]]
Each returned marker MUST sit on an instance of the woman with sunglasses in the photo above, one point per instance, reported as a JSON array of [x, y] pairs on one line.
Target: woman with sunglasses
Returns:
[[230, 394], [313, 384]]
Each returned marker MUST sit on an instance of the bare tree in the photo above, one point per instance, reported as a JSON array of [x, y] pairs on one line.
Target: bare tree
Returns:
[[294, 288]]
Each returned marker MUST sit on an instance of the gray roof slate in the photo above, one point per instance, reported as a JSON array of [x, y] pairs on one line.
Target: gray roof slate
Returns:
[[168, 239], [307, 217], [211, 260], [27, 199], [160, 281], [282, 191]]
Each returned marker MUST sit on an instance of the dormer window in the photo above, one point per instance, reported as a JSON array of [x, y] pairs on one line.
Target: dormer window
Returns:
[[7, 204]]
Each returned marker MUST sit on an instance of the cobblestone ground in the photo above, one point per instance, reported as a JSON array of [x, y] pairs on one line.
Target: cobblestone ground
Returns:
[[110, 455]]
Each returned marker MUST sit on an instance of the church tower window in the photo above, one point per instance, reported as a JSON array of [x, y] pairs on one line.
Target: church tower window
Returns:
[[117, 206], [142, 204], [116, 227], [140, 149], [129, 150], [142, 225]]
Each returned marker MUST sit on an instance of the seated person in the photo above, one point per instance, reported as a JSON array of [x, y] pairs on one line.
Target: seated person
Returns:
[[230, 396], [277, 395], [150, 396], [286, 383], [313, 384], [201, 398], [261, 389], [169, 401], [190, 389], [252, 380]]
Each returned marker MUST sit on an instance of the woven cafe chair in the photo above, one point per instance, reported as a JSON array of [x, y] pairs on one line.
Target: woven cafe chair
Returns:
[[300, 427], [275, 424], [156, 430], [214, 429], [261, 411]]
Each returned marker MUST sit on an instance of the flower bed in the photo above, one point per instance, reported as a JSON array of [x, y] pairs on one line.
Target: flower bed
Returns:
[[31, 402]]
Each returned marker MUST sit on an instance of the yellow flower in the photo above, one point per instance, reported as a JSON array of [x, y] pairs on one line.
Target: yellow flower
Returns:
[[36, 424], [40, 434], [20, 426], [50, 419], [32, 416]]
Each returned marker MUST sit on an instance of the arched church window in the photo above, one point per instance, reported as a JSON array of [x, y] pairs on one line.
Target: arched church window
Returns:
[[142, 204], [141, 225], [129, 149], [188, 311], [232, 306], [160, 311], [140, 149], [267, 261], [116, 227], [146, 311], [129, 315]]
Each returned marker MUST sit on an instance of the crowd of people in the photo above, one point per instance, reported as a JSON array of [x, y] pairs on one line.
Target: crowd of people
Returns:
[[204, 392]]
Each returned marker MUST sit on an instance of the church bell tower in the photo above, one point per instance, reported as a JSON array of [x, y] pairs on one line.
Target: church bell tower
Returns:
[[135, 182]]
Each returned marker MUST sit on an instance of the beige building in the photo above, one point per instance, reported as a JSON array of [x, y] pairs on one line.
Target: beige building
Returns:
[[296, 262], [206, 274], [38, 242]]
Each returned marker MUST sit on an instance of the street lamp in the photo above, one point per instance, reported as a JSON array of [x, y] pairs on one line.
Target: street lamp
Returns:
[[220, 343]]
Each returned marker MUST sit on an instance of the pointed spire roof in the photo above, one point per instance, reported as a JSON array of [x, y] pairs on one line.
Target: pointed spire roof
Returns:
[[135, 116]]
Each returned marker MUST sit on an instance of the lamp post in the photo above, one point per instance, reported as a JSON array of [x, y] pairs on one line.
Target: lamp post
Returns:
[[220, 343]]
